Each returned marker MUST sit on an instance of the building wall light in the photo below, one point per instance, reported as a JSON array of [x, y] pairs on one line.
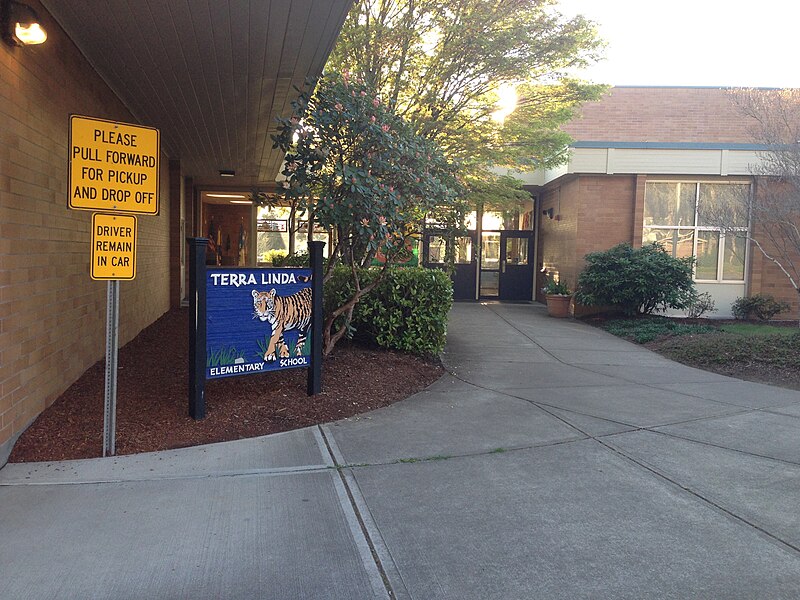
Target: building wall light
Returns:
[[20, 24]]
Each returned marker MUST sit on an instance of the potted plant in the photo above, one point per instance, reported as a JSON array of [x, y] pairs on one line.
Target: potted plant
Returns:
[[558, 298]]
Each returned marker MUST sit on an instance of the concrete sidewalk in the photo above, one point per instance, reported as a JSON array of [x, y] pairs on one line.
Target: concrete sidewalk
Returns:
[[556, 461]]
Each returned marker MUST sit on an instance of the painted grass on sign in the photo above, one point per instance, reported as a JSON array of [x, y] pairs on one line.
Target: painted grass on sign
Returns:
[[226, 355]]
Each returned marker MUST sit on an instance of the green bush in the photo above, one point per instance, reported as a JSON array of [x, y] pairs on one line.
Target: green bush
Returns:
[[700, 305], [299, 259], [274, 257], [407, 311], [636, 280], [761, 307]]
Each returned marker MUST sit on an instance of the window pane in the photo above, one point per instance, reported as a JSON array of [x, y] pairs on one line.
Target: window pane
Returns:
[[677, 242], [707, 255], [723, 204], [463, 250], [733, 258], [490, 252], [669, 204], [436, 247], [516, 251]]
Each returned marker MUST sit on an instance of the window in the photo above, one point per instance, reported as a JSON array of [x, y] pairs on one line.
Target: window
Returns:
[[436, 249], [680, 216]]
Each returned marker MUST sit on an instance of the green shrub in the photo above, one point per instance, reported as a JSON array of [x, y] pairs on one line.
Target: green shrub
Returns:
[[407, 311], [299, 259], [700, 305], [761, 307], [274, 257], [637, 280]]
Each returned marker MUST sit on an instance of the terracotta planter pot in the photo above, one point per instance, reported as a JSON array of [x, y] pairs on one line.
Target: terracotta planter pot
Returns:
[[558, 305]]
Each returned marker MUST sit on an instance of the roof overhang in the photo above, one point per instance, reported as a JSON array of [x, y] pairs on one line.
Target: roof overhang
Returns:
[[647, 158], [212, 76]]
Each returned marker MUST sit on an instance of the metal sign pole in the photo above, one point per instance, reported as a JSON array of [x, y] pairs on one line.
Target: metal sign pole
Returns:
[[197, 327], [112, 345]]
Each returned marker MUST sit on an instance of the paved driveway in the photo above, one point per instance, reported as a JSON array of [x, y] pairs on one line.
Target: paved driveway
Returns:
[[555, 461]]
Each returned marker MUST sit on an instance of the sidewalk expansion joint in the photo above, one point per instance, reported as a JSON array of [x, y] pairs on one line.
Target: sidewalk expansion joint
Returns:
[[786, 545], [375, 556]]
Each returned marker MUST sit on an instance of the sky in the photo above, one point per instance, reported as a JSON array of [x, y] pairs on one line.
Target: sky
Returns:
[[733, 43]]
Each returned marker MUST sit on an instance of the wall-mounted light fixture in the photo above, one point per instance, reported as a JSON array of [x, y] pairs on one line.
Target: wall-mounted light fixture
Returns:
[[548, 213], [20, 24]]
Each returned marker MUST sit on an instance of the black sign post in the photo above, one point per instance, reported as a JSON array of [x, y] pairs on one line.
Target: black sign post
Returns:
[[197, 327], [315, 370]]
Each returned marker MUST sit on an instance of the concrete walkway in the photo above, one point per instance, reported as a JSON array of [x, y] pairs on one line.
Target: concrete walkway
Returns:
[[555, 462]]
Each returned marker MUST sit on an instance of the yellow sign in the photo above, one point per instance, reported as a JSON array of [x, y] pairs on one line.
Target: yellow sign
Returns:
[[113, 246], [113, 166]]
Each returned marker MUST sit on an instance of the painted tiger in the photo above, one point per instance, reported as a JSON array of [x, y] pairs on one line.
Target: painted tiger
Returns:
[[283, 313]]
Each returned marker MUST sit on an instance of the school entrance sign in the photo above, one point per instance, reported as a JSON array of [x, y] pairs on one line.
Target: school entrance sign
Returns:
[[258, 320], [250, 321], [113, 166]]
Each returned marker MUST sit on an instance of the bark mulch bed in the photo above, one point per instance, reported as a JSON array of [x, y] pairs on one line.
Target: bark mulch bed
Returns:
[[152, 398]]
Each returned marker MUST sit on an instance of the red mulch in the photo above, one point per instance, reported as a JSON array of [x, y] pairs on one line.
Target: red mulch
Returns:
[[152, 398]]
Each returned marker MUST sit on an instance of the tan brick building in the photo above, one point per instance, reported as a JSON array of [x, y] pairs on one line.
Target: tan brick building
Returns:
[[644, 162], [175, 67]]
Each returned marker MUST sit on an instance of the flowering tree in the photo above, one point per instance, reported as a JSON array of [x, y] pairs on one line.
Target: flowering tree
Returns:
[[359, 169]]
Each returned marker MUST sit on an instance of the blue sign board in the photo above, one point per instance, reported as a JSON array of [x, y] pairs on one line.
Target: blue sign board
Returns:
[[257, 320]]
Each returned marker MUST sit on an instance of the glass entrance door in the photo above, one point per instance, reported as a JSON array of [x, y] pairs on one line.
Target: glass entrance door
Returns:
[[515, 265], [490, 264]]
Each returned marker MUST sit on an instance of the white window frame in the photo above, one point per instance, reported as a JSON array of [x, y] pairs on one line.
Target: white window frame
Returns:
[[697, 228]]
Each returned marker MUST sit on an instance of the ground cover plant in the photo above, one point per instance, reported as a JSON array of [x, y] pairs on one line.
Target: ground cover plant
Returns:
[[647, 329], [754, 351]]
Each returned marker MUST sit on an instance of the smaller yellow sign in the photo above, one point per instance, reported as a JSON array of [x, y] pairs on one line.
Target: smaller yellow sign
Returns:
[[113, 246]]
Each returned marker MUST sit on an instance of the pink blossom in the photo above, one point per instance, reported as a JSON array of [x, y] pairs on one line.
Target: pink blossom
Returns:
[[338, 106], [391, 188], [382, 220], [363, 93], [285, 185], [292, 166], [294, 120], [372, 119], [376, 102], [365, 222], [385, 128]]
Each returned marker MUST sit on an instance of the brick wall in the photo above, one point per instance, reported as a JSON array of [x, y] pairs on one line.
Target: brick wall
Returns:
[[765, 276], [652, 114], [591, 213], [558, 236], [52, 314]]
